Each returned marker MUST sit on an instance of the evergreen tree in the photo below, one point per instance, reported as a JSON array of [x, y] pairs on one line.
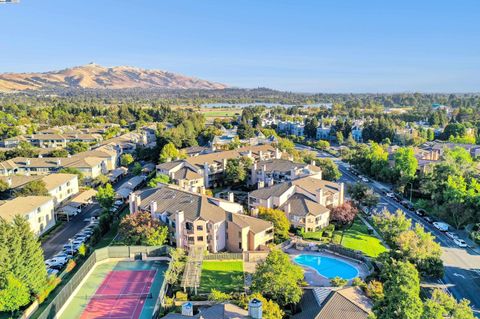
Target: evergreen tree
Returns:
[[30, 267]]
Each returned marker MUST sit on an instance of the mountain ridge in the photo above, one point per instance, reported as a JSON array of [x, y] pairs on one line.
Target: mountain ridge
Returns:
[[95, 76]]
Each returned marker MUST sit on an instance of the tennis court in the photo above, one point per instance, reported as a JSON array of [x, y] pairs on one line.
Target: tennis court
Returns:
[[118, 290]]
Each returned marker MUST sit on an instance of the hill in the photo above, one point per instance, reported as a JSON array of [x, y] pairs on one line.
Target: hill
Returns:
[[94, 76]]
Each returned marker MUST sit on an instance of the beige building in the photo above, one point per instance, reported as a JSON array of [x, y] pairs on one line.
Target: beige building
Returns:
[[198, 220], [306, 201], [211, 166], [269, 172], [38, 210], [60, 186], [90, 167]]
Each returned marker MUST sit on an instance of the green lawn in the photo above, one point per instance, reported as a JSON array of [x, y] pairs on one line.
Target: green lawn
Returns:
[[226, 276], [358, 238], [221, 113]]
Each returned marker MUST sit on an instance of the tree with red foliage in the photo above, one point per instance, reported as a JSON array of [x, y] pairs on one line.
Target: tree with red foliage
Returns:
[[344, 214]]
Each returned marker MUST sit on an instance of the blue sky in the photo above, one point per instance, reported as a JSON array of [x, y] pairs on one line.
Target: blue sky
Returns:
[[297, 45]]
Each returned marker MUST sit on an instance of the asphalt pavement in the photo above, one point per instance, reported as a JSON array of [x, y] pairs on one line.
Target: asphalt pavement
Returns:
[[54, 244], [462, 265]]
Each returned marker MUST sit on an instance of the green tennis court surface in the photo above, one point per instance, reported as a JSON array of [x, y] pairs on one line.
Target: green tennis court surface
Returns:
[[81, 300]]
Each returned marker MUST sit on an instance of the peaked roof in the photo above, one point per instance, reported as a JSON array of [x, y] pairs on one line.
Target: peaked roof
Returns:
[[22, 206], [334, 303], [171, 200], [301, 205]]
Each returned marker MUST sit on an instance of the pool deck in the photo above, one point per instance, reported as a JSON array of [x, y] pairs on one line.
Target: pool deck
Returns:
[[313, 278]]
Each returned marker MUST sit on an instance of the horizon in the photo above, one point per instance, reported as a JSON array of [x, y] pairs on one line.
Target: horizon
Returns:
[[308, 47]]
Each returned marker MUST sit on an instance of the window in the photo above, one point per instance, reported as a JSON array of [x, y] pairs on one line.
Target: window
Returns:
[[199, 227], [240, 245], [40, 219], [199, 238], [240, 234]]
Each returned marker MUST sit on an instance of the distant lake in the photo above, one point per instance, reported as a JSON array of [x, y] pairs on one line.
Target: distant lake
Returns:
[[242, 105]]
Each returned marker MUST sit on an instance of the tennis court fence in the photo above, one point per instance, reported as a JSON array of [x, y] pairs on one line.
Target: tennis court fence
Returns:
[[98, 255]]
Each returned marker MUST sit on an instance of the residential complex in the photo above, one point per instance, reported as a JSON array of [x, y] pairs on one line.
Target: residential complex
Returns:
[[197, 220], [38, 210], [211, 167], [306, 201]]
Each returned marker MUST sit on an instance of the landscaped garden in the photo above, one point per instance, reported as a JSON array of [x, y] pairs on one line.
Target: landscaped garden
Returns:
[[226, 276], [358, 237]]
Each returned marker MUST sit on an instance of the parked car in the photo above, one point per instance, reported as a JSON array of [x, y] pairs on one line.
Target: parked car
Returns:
[[119, 202], [451, 235], [70, 250], [390, 194], [420, 212], [460, 242], [63, 255], [398, 197], [56, 260], [441, 226], [52, 272], [428, 219]]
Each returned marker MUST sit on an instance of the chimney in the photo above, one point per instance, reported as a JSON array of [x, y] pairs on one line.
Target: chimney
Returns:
[[320, 196], [153, 207], [231, 198], [260, 184], [201, 190], [255, 309], [278, 154], [179, 219], [288, 208], [187, 309], [9, 181], [270, 182], [342, 194], [59, 162], [260, 155], [313, 163], [132, 203], [27, 162]]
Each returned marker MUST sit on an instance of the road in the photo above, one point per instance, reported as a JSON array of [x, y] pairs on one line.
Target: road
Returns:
[[54, 244], [462, 266]]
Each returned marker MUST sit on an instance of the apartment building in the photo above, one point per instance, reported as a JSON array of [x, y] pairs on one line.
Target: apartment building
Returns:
[[306, 201], [38, 210], [90, 167], [275, 171], [197, 220], [60, 186], [212, 166]]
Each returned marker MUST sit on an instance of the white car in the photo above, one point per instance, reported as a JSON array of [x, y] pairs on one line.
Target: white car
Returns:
[[56, 261], [460, 242], [390, 195], [451, 235], [440, 226], [119, 202]]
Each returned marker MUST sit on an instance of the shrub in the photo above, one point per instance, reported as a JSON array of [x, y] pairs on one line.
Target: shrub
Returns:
[[218, 296], [358, 282], [338, 282], [52, 283], [181, 296], [82, 250], [70, 265], [476, 236]]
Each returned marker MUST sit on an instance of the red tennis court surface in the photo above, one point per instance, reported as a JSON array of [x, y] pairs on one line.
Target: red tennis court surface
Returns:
[[121, 295]]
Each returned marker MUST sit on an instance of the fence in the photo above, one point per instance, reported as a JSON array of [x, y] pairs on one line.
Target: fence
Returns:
[[224, 256], [98, 255]]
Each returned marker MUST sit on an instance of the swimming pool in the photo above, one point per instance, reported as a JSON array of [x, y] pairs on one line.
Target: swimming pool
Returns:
[[327, 266]]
